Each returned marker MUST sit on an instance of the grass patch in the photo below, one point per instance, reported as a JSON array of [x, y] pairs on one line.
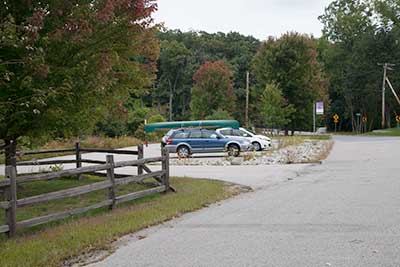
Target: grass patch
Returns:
[[43, 187], [89, 142], [386, 132], [52, 244]]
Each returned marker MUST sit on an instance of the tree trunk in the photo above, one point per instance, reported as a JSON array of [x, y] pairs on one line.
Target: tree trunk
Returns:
[[10, 151], [170, 106], [286, 131]]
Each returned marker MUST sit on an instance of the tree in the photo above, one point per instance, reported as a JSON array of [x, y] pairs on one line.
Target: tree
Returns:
[[63, 63], [291, 63], [275, 110], [175, 72], [357, 36], [213, 90], [235, 49]]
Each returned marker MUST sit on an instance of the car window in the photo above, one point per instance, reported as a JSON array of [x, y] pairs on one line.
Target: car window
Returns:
[[195, 134], [181, 135], [209, 134], [226, 132], [236, 132], [170, 132], [243, 133], [253, 133]]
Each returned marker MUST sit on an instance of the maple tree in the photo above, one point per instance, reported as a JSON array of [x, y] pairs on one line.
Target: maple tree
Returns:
[[64, 63], [212, 90]]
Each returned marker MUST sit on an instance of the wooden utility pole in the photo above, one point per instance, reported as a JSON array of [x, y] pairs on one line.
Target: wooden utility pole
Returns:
[[247, 99]]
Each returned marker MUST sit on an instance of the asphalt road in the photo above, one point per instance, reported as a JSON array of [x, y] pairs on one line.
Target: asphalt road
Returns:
[[345, 212]]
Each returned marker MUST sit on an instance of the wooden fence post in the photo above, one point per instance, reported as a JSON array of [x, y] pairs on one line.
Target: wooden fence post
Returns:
[[11, 196], [110, 176], [165, 168], [78, 158], [140, 156]]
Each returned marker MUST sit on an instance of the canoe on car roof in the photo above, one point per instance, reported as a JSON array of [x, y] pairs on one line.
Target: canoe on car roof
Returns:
[[148, 128]]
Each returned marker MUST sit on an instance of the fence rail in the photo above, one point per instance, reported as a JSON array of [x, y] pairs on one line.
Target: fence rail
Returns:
[[12, 203], [78, 150]]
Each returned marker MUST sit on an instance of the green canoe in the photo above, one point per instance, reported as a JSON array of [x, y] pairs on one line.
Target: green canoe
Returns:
[[148, 128]]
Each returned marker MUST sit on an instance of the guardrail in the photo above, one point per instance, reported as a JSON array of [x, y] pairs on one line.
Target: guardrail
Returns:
[[12, 203]]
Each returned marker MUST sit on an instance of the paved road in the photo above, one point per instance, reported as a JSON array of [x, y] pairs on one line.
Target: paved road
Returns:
[[345, 212]]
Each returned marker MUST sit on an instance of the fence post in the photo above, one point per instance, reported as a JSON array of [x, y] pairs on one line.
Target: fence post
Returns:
[[110, 176], [140, 156], [11, 196], [165, 168], [78, 158]]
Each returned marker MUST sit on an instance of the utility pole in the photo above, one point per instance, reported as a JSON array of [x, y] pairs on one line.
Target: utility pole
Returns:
[[386, 67], [314, 117], [247, 100]]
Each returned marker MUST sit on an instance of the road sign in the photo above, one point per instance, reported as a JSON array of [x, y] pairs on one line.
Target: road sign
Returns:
[[364, 119], [319, 108], [398, 118], [336, 118], [358, 114]]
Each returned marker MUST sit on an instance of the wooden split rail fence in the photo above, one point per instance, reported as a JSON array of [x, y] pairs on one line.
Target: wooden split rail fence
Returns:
[[12, 203]]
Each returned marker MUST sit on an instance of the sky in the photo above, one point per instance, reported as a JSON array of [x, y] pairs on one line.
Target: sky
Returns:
[[260, 18]]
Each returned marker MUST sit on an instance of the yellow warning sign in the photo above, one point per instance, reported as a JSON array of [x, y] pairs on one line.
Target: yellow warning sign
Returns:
[[336, 118], [365, 119]]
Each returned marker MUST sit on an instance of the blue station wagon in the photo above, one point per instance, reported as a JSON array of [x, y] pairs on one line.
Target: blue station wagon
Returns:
[[186, 142]]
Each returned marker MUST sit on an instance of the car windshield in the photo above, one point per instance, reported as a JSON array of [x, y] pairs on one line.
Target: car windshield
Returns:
[[250, 131]]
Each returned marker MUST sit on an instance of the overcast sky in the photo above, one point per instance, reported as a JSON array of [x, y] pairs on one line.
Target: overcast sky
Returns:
[[260, 18]]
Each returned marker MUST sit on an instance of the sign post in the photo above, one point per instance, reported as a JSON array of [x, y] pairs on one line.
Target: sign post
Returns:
[[317, 110], [336, 120], [358, 128], [365, 120]]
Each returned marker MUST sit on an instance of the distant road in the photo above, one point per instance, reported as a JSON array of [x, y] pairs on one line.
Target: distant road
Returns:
[[345, 212]]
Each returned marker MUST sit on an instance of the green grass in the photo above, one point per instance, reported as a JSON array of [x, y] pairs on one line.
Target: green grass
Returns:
[[387, 132], [51, 244], [43, 187]]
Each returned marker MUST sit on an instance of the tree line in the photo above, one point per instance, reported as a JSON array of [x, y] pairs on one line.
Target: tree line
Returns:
[[73, 68]]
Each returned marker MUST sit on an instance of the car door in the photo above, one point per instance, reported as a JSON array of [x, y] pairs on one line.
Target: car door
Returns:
[[195, 140], [212, 141], [238, 134]]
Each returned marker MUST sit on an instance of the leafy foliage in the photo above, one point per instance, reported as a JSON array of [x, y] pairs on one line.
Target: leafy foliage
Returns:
[[364, 33], [64, 63], [275, 111], [291, 63], [213, 90]]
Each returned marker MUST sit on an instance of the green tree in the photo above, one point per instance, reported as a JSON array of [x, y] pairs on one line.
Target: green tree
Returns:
[[175, 73], [213, 90], [64, 63], [291, 63], [275, 110], [357, 36], [235, 49]]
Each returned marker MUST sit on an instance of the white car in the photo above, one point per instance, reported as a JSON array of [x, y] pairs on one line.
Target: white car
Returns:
[[260, 142]]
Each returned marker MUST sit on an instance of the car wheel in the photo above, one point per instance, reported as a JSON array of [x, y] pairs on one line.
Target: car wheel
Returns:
[[183, 152], [257, 146], [233, 150]]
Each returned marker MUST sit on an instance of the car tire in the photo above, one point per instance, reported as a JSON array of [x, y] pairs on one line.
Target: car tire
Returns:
[[233, 150], [257, 146], [183, 152]]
